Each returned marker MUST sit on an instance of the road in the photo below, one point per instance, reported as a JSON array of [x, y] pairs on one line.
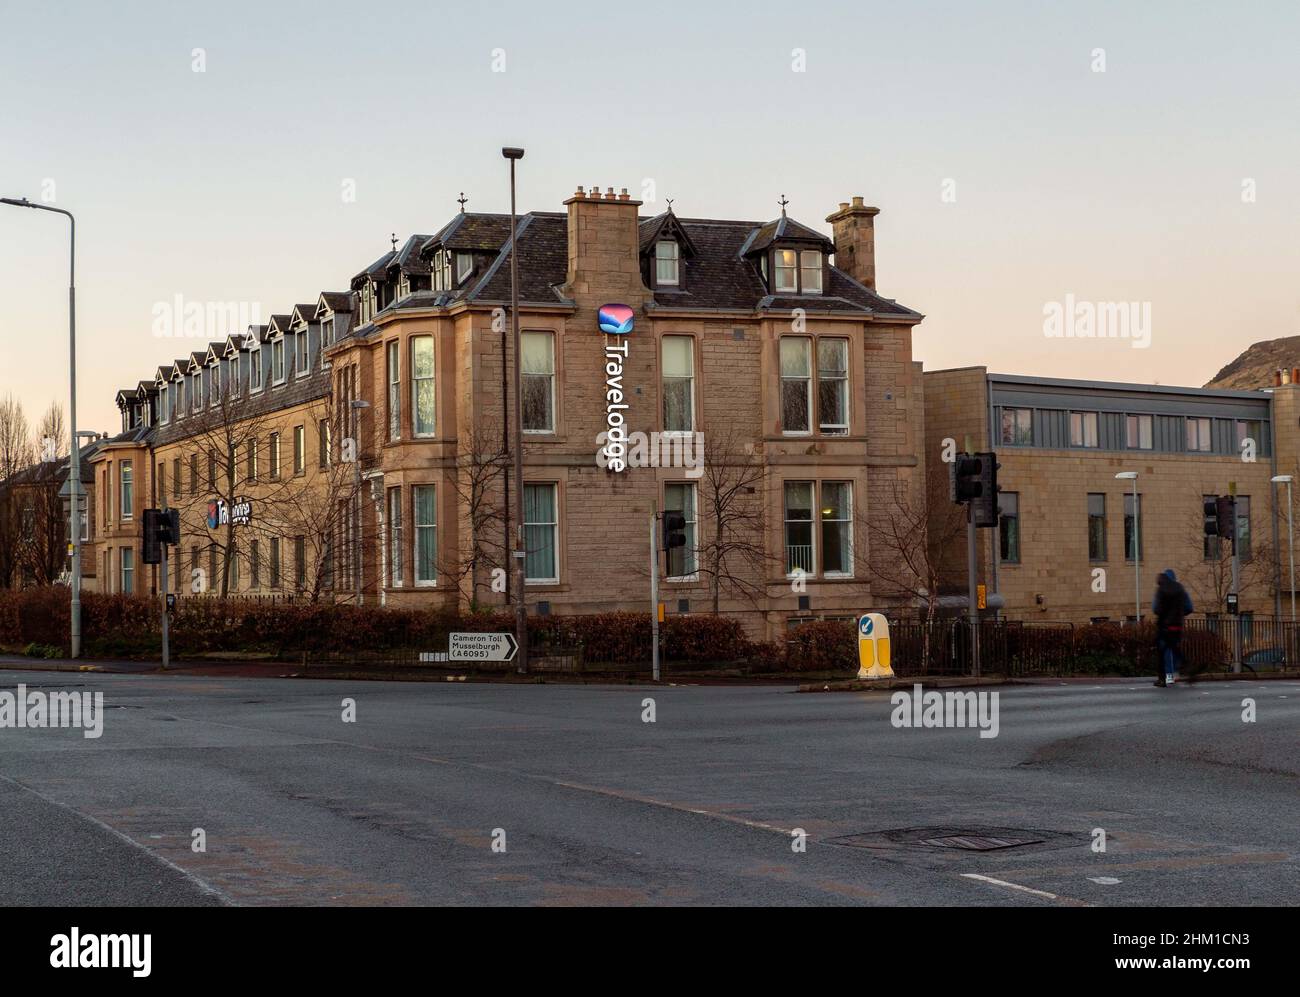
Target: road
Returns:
[[595, 806]]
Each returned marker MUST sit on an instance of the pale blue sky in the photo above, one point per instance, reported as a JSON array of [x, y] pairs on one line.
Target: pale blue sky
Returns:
[[226, 185]]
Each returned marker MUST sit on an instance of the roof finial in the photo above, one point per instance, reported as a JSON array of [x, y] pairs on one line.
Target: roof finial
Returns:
[[783, 202], [394, 242], [461, 201], [670, 204]]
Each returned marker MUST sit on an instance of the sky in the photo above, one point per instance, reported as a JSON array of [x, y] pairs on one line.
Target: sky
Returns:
[[1023, 154]]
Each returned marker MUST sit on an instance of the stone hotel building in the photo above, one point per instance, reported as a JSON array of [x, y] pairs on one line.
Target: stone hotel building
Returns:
[[766, 386]]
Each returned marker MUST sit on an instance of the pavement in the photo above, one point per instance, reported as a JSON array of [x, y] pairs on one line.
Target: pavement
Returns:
[[463, 793]]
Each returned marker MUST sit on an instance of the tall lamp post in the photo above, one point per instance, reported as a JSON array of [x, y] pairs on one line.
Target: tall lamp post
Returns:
[[1290, 544], [357, 405], [74, 460], [1137, 545], [520, 551]]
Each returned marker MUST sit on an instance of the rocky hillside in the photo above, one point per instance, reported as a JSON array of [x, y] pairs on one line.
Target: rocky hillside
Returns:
[[1254, 368]]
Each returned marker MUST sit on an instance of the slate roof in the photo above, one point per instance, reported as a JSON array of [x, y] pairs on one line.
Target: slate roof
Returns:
[[409, 258], [786, 228], [338, 301]]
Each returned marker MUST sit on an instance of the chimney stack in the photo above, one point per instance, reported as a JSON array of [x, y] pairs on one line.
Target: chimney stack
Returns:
[[604, 246], [854, 227]]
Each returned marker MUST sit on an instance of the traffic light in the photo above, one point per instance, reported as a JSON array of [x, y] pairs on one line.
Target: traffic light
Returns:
[[161, 526], [674, 526], [965, 481], [1226, 516], [1210, 512], [985, 506]]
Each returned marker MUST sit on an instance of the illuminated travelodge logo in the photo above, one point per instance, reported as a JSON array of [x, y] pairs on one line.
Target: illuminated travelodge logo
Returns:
[[615, 320], [221, 514]]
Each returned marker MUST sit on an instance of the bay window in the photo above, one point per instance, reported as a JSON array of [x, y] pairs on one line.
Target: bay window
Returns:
[[422, 388]]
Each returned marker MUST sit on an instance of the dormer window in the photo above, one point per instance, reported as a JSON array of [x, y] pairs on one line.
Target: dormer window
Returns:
[[442, 270], [798, 271], [300, 354], [214, 389], [787, 277], [667, 263], [164, 399], [464, 266], [255, 370], [327, 331], [810, 271], [403, 286], [196, 391], [277, 360]]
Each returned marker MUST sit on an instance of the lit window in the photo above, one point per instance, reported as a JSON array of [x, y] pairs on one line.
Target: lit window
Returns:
[[787, 277], [422, 389], [537, 388], [275, 455], [837, 527], [678, 354], [667, 264], [299, 449]]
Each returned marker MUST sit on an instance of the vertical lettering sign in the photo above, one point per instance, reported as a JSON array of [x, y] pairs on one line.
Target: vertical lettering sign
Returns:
[[615, 322]]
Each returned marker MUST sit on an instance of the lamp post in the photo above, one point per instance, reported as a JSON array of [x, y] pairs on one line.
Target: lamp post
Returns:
[[74, 459], [1137, 545], [520, 552], [357, 405], [1290, 537]]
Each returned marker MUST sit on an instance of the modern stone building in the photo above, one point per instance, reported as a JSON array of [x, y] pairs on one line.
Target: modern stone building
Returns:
[[1065, 547]]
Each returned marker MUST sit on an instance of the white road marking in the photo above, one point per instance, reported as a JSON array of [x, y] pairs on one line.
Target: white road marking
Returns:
[[1104, 880], [1013, 886]]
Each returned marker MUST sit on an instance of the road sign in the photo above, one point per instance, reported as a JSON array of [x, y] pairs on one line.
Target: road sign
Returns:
[[873, 647], [482, 647]]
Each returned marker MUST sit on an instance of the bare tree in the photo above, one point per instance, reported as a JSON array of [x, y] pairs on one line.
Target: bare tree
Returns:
[[911, 535], [479, 482], [15, 457], [1206, 569], [733, 555]]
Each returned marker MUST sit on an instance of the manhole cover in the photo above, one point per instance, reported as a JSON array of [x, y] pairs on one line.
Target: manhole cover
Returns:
[[961, 839], [977, 842]]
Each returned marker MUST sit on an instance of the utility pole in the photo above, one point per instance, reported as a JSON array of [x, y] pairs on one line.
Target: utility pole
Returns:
[[74, 459], [520, 553], [654, 589]]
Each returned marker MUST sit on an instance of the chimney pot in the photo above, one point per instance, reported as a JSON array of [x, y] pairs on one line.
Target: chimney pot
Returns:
[[857, 202], [844, 205], [1295, 375], [1277, 377]]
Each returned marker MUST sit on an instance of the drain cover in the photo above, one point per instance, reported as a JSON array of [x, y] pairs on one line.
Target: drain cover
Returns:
[[977, 842], [961, 839]]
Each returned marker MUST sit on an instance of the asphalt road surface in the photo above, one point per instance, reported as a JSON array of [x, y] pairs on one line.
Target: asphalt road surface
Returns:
[[588, 804]]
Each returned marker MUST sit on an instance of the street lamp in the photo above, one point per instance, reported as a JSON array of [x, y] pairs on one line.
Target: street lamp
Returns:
[[1279, 479], [357, 405], [74, 459], [520, 552], [1137, 545]]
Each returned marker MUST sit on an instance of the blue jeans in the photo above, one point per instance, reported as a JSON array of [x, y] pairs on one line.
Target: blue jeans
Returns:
[[1169, 659]]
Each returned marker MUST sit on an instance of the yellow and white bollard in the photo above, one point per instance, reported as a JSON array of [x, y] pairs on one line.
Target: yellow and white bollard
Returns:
[[873, 647]]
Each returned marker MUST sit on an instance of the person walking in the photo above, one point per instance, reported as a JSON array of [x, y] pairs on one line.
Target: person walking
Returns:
[[1170, 606]]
